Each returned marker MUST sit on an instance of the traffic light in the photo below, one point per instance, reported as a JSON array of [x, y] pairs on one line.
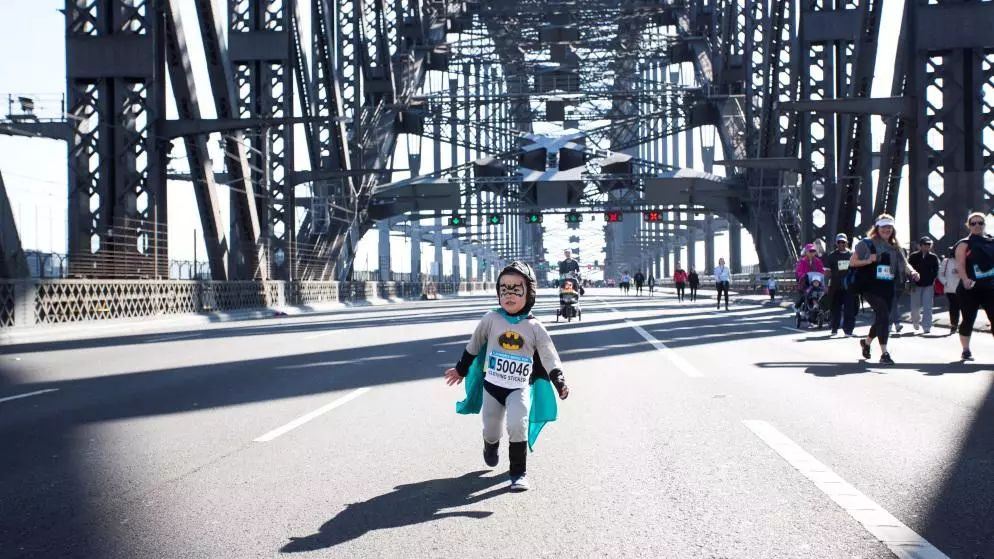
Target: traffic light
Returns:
[[533, 218], [495, 219], [574, 217], [456, 220], [613, 217], [652, 216]]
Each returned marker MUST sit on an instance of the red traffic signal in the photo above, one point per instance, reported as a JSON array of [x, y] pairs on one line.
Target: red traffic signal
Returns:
[[652, 215], [613, 217]]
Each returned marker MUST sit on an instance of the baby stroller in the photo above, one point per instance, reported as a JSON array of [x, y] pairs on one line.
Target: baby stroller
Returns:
[[810, 309], [569, 299]]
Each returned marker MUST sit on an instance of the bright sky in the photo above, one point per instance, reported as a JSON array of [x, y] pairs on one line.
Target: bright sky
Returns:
[[32, 60]]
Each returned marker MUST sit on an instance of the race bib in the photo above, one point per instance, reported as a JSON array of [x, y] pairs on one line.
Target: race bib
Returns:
[[884, 273], [981, 274], [508, 370], [843, 265]]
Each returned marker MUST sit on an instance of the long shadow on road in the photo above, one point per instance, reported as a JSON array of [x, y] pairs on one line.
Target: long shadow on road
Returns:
[[413, 503], [841, 368], [960, 521]]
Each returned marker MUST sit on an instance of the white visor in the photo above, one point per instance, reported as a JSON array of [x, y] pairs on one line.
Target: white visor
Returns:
[[885, 222]]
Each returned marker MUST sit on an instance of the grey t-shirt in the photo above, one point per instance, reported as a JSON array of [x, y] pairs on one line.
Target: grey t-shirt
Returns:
[[898, 262], [511, 349]]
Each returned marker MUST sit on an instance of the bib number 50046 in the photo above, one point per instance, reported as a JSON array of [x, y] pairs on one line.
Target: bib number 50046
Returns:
[[509, 364]]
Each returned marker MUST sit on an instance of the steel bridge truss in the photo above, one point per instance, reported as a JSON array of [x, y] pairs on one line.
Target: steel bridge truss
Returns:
[[786, 84]]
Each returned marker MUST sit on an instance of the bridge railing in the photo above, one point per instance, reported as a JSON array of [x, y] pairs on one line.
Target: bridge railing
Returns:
[[35, 302], [752, 283]]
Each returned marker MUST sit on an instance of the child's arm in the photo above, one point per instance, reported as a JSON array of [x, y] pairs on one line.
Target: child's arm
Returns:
[[550, 359], [455, 374]]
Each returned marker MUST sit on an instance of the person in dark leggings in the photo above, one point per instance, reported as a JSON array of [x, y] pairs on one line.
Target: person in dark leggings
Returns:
[[949, 279], [680, 281], [694, 281], [975, 267], [879, 259], [722, 280]]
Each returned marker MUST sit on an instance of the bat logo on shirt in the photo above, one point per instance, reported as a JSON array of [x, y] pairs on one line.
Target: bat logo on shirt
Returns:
[[511, 340]]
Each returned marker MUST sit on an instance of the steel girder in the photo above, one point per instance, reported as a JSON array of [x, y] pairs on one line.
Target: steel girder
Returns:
[[201, 167], [828, 43], [260, 45], [12, 262], [951, 77], [248, 254], [117, 160]]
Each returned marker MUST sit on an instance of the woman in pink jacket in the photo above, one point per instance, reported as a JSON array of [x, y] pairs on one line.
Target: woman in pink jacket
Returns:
[[809, 262], [680, 280]]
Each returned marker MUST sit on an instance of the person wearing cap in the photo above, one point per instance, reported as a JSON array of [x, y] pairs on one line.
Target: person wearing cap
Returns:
[[923, 290], [842, 304], [879, 260], [809, 262]]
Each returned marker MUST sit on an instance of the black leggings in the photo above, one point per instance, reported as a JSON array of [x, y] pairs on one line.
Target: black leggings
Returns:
[[881, 316], [680, 289], [954, 306], [722, 286], [971, 300], [693, 292]]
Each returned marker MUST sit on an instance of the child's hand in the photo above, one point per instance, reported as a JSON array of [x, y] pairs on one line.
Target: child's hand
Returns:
[[452, 376]]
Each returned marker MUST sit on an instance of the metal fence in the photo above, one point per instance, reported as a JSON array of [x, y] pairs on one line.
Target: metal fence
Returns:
[[26, 303], [747, 283]]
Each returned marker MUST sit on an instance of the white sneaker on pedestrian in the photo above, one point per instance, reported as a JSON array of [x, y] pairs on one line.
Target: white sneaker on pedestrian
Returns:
[[520, 483]]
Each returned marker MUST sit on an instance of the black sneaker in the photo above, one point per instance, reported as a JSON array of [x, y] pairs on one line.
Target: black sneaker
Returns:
[[885, 359], [966, 356], [490, 453], [866, 348]]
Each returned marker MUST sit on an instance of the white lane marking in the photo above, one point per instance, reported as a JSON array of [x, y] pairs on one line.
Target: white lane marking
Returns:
[[29, 394], [891, 532], [674, 357], [312, 415], [792, 329]]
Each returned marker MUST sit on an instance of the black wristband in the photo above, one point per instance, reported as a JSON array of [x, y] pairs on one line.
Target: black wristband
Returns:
[[464, 362]]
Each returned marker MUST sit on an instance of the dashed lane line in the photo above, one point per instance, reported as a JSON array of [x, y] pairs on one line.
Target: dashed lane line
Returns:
[[312, 415], [903, 541], [28, 395], [679, 362]]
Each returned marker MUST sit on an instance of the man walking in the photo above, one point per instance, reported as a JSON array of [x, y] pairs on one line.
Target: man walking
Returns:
[[843, 303], [923, 290]]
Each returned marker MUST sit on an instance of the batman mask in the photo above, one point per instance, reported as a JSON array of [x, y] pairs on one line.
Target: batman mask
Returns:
[[531, 284]]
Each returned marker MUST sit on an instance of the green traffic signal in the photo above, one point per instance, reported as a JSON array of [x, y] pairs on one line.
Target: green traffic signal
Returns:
[[533, 218], [495, 219], [457, 221], [574, 217]]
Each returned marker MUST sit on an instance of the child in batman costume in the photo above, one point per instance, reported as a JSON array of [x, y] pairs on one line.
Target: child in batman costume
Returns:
[[510, 351]]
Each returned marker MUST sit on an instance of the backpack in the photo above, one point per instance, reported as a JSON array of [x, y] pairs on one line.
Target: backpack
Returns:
[[857, 279]]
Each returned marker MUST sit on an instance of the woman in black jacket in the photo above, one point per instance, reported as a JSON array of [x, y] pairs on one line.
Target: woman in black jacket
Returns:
[[694, 281]]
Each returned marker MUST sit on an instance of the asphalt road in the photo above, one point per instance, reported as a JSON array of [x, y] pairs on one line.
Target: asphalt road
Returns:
[[689, 432]]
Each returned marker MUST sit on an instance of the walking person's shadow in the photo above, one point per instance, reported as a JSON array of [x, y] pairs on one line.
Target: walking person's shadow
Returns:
[[413, 503]]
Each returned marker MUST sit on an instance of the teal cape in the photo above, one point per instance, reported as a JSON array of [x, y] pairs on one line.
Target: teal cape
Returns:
[[543, 398]]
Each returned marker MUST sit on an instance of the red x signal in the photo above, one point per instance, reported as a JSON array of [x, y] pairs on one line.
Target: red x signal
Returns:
[[613, 217]]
